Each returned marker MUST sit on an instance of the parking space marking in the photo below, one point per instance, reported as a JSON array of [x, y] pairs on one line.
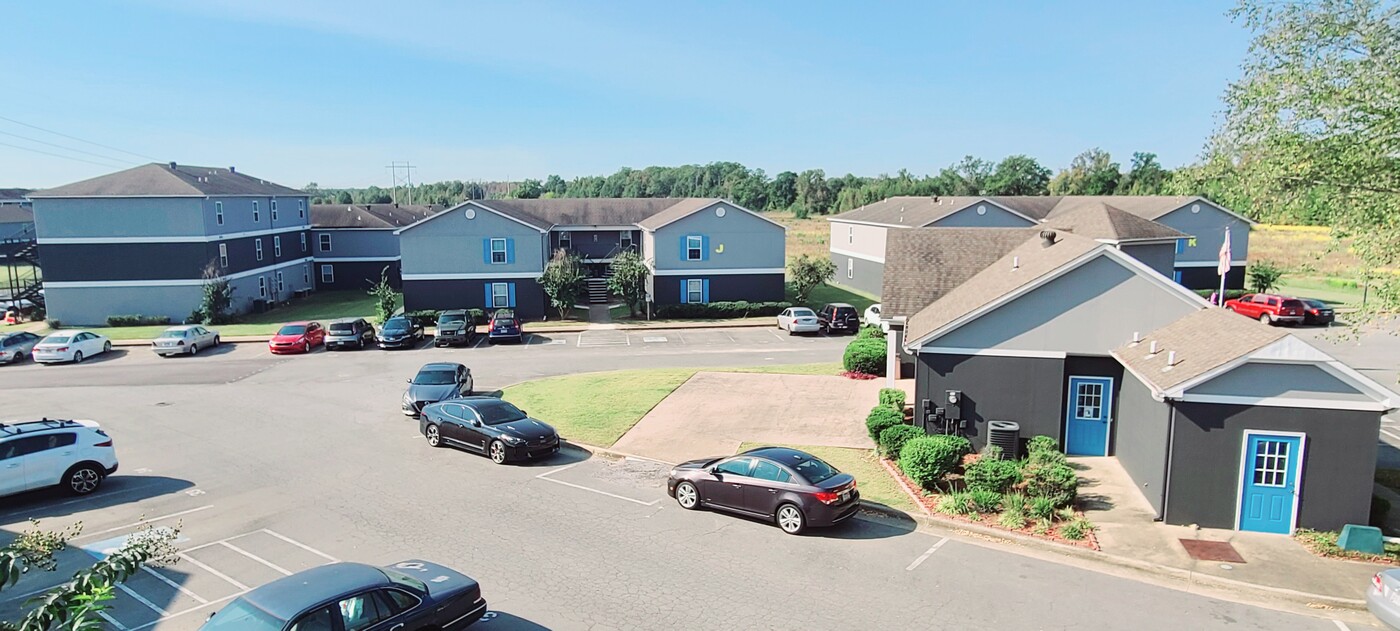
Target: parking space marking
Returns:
[[204, 566], [181, 613], [1341, 625], [142, 599], [146, 521], [116, 625], [546, 474], [302, 546], [177, 586], [775, 334], [255, 557], [652, 339], [927, 553], [1390, 433]]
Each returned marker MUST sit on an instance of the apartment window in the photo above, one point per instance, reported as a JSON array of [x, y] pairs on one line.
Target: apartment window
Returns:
[[500, 295], [255, 212], [277, 245], [850, 234], [223, 255], [301, 209], [219, 213], [694, 248], [850, 268], [565, 240], [325, 242], [257, 248], [303, 242], [262, 287], [626, 239], [280, 286], [328, 274], [272, 209], [306, 273], [695, 291], [498, 251]]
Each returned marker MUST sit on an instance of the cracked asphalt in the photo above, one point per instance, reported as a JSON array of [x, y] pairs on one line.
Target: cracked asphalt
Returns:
[[236, 444]]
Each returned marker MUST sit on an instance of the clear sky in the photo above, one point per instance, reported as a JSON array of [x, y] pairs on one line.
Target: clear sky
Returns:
[[331, 91]]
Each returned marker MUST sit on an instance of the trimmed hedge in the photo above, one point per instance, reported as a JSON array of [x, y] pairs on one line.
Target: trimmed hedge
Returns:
[[136, 320], [926, 459], [868, 332], [865, 356], [1055, 482], [992, 474], [1230, 294], [892, 439], [719, 310], [893, 397], [881, 418]]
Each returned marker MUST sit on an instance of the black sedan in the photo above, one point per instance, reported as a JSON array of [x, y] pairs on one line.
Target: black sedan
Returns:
[[400, 332], [1317, 312], [793, 488], [411, 595], [490, 426], [435, 382]]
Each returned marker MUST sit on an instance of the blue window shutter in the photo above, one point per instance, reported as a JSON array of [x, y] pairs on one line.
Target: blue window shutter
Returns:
[[486, 254], [684, 249], [705, 250], [1176, 276], [510, 295], [705, 291], [510, 253], [488, 296], [1180, 246], [685, 293]]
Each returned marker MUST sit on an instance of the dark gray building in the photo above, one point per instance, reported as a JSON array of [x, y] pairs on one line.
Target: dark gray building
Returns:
[[352, 244], [139, 241]]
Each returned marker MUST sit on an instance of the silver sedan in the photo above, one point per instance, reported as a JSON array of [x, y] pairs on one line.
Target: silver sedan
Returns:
[[1383, 599], [14, 347], [184, 340], [798, 320]]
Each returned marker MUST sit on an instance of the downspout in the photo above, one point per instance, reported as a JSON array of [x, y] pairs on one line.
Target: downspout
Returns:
[[891, 358], [1167, 468]]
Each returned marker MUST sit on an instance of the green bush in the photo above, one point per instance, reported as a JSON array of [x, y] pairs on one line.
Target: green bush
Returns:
[[1230, 294], [881, 418], [1013, 511], [984, 501], [992, 474], [992, 451], [893, 397], [865, 356], [1041, 443], [719, 310], [1042, 527], [926, 459], [1076, 529], [136, 320], [1040, 507], [423, 317], [870, 333], [892, 439], [1045, 458], [955, 503], [1057, 482]]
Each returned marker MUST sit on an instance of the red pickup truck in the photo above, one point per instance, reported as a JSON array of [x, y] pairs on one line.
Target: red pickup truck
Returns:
[[1268, 308]]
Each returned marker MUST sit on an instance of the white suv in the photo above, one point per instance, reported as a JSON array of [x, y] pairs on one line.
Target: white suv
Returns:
[[77, 455]]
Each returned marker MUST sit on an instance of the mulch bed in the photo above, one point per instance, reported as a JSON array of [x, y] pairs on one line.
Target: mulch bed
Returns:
[[928, 501]]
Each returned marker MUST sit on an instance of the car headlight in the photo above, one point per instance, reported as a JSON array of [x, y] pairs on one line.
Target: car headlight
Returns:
[[512, 440]]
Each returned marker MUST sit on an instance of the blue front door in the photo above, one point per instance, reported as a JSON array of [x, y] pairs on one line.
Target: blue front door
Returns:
[[1090, 405], [1269, 493]]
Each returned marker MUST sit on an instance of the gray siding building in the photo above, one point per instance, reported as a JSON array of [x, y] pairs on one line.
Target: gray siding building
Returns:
[[352, 245], [140, 241]]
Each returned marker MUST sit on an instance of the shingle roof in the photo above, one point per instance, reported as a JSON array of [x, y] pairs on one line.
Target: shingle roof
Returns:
[[679, 210], [1098, 220], [1021, 266], [914, 212], [15, 213], [1145, 206], [921, 211], [582, 211], [163, 180], [368, 215], [1033, 206], [13, 194], [923, 264], [1203, 340]]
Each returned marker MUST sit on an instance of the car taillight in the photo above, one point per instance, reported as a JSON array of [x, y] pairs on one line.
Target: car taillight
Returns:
[[1376, 582], [105, 443], [60, 349], [827, 497]]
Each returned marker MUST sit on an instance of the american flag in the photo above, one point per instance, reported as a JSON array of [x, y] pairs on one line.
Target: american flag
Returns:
[[1223, 267]]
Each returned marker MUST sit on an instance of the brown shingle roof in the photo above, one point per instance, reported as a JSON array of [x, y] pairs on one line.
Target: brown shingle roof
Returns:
[[368, 215], [679, 210], [923, 264], [1145, 206], [161, 180], [13, 194], [15, 213], [582, 211], [1021, 266], [911, 212], [1204, 341], [1098, 220]]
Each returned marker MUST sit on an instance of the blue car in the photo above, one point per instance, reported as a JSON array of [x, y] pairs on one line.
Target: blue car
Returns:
[[505, 326], [411, 596]]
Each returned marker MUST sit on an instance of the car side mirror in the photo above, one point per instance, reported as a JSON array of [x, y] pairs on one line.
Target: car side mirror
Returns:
[[408, 381], [475, 423]]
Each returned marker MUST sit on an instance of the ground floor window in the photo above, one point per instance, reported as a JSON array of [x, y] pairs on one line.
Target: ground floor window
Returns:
[[694, 291], [262, 287], [500, 295], [280, 286], [305, 273], [328, 274], [850, 268]]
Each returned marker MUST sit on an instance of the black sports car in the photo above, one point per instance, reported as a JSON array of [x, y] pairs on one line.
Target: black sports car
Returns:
[[490, 426], [411, 595]]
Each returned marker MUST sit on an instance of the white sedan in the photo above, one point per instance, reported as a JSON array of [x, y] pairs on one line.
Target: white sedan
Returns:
[[872, 315], [798, 320], [70, 346]]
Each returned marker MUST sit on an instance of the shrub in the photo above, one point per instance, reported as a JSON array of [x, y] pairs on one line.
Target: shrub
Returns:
[[984, 501], [1263, 276], [808, 273], [892, 439], [1076, 529], [881, 418], [1380, 508], [992, 451], [893, 397], [1042, 443], [867, 356], [992, 474], [1066, 514], [1042, 527], [1040, 507], [718, 310], [955, 503], [1046, 458], [54, 324], [926, 459], [136, 320], [422, 317], [1230, 294], [1056, 482], [868, 332], [1013, 511]]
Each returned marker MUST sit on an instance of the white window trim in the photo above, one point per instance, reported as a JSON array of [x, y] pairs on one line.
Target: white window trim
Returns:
[[306, 273], [256, 216], [272, 209], [277, 246], [504, 302], [324, 242], [850, 234], [257, 248], [301, 209], [262, 286], [565, 241], [505, 256], [699, 247], [327, 273], [280, 286], [699, 291], [850, 268], [303, 242], [625, 239], [219, 213], [223, 255]]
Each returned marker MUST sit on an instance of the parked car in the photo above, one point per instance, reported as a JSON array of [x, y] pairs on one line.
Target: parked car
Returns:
[[1268, 308], [297, 337], [14, 347], [838, 316], [792, 488], [454, 326], [182, 340], [505, 326], [436, 382], [490, 426], [349, 333], [405, 596], [36, 454], [70, 346], [1383, 599], [1317, 312], [798, 320], [400, 332], [872, 315]]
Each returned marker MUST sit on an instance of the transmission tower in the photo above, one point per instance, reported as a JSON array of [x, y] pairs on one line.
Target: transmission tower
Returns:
[[405, 180]]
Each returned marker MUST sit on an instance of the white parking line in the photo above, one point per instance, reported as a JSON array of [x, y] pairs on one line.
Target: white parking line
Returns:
[[302, 546], [171, 583], [180, 613], [1341, 625], [142, 599], [201, 565], [775, 334], [146, 521], [1390, 433], [544, 476], [928, 553], [115, 625], [255, 557]]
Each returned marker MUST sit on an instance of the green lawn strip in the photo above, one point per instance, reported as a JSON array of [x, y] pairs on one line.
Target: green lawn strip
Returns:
[[321, 306], [1324, 543], [874, 482], [833, 293], [598, 408], [1333, 292]]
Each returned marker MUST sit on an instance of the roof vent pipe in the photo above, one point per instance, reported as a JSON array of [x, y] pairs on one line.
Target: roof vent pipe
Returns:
[[1152, 350], [1171, 358], [1047, 238], [1137, 338], [1015, 263], [233, 169], [173, 165]]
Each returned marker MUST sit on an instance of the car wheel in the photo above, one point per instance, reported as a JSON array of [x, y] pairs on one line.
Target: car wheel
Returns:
[[431, 433], [362, 344], [82, 479], [77, 357], [791, 520], [687, 496], [306, 347], [106, 347], [194, 349], [498, 452], [216, 341], [1264, 319]]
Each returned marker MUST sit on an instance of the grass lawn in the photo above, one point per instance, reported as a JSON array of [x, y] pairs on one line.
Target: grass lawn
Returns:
[[323, 306], [598, 408], [1325, 289], [874, 482], [1324, 543], [833, 293]]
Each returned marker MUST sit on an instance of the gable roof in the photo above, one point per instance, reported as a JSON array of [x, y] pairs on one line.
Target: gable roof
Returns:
[[13, 194], [582, 211], [924, 264], [922, 211], [170, 180], [1099, 220], [15, 213], [369, 215], [915, 212]]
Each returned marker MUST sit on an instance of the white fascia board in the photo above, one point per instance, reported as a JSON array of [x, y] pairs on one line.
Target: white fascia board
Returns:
[[858, 255], [210, 238], [719, 271], [481, 276]]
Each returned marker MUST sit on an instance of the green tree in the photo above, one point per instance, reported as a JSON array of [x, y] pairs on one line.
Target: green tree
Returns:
[[1264, 276], [808, 273], [1145, 177], [344, 197], [562, 281], [529, 189], [216, 296], [629, 280], [386, 300], [1018, 175], [1090, 173], [782, 191], [812, 191]]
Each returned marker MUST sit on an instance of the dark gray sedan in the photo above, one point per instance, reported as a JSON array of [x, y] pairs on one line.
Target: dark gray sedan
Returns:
[[489, 426], [435, 382], [15, 347], [792, 488]]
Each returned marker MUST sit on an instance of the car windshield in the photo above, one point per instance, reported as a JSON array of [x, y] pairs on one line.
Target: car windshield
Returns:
[[497, 412], [57, 339], [814, 470], [1316, 304], [343, 328], [396, 324], [241, 616], [455, 318], [1293, 304], [846, 312], [292, 329], [504, 314], [413, 584], [176, 333], [435, 378], [803, 313]]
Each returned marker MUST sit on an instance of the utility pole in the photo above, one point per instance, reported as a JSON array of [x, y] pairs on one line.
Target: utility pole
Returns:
[[405, 180]]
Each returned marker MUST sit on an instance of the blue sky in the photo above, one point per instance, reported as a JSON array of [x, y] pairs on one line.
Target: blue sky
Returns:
[[331, 91]]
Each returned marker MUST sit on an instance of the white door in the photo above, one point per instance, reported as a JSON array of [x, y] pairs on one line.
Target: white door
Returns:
[[11, 468], [49, 459], [84, 343]]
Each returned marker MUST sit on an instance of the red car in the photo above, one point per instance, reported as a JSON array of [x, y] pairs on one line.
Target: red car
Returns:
[[297, 337], [1268, 308]]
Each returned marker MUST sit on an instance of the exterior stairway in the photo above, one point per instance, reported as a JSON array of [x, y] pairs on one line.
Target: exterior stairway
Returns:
[[16, 251], [597, 290]]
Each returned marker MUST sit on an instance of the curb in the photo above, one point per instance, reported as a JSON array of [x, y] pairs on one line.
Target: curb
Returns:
[[245, 339], [242, 339]]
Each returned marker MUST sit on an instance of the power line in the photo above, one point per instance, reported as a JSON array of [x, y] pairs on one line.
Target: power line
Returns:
[[56, 155], [96, 144], [43, 142]]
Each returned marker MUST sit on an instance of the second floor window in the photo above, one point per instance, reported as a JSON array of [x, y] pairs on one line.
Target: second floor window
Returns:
[[277, 245], [694, 248], [255, 212], [498, 251], [257, 248], [272, 208], [325, 242], [565, 240], [219, 213], [303, 242], [301, 209]]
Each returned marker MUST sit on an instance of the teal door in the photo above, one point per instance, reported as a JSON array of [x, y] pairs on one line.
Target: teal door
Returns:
[[1269, 493], [1090, 401]]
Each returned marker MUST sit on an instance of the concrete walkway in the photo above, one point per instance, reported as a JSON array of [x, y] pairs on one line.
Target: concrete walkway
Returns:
[[599, 314]]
